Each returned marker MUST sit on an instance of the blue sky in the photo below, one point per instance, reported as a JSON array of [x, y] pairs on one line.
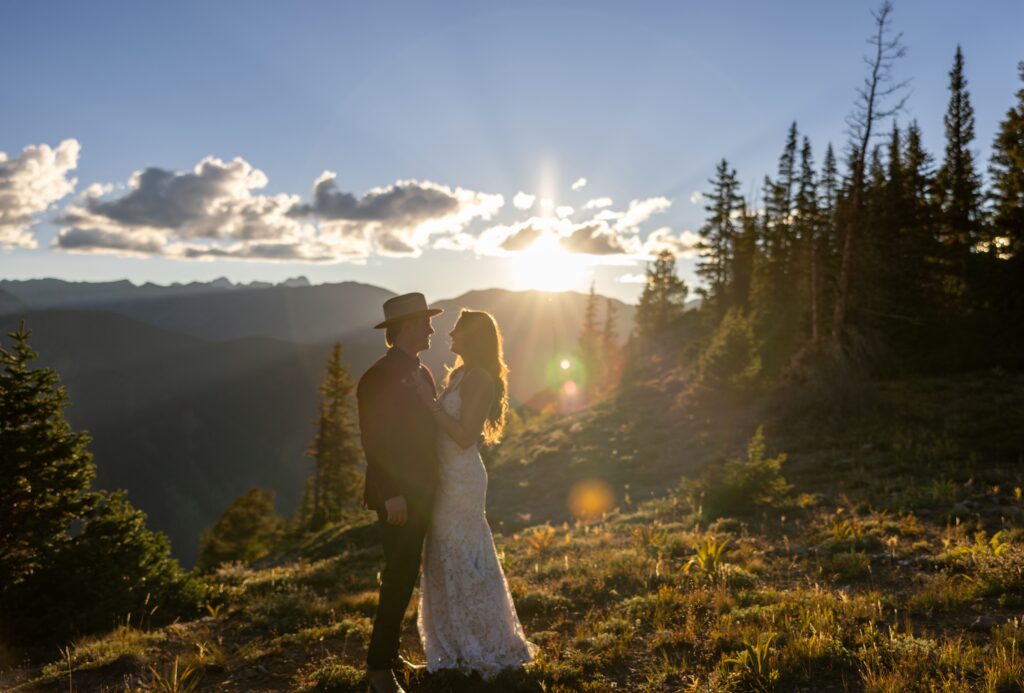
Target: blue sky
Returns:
[[468, 101]]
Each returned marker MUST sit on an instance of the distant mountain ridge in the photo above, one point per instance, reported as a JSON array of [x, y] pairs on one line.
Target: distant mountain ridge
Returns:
[[188, 420], [51, 292], [293, 311]]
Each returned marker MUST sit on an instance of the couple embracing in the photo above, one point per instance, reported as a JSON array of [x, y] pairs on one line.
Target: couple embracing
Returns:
[[427, 483]]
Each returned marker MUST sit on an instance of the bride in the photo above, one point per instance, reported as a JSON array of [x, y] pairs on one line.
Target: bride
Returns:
[[466, 616]]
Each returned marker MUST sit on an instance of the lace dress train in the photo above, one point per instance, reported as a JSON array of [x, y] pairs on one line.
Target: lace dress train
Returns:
[[467, 619]]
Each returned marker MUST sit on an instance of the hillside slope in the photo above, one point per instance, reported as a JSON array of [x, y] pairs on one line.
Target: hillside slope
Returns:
[[895, 564]]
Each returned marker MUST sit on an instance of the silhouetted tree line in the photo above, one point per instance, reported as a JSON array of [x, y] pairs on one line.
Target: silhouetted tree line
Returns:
[[894, 261]]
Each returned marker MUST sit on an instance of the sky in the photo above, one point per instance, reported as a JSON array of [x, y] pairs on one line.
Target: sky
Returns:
[[434, 147]]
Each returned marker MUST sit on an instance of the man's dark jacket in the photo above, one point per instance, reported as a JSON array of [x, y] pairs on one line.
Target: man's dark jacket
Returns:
[[398, 432]]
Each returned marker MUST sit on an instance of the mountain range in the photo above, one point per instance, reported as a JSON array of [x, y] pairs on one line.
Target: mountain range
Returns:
[[196, 393]]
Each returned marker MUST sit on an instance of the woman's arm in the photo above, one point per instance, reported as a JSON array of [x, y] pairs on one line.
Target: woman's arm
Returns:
[[477, 392]]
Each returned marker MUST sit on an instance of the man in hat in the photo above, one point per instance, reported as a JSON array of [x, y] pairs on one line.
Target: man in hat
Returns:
[[399, 439]]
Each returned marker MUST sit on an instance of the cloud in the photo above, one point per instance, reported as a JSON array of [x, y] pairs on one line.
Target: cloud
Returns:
[[139, 243], [640, 211], [595, 239], [213, 212], [633, 279], [523, 200], [610, 237], [598, 203], [404, 203], [29, 184], [272, 252], [579, 184], [458, 242], [696, 197], [502, 239], [681, 245], [214, 201]]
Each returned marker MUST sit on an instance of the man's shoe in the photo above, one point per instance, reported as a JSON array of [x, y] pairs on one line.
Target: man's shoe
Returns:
[[382, 681], [399, 663]]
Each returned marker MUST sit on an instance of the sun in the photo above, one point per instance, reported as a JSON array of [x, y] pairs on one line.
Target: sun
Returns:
[[546, 266]]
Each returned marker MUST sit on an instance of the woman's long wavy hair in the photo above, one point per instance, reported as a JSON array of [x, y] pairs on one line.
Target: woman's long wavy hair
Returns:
[[482, 344]]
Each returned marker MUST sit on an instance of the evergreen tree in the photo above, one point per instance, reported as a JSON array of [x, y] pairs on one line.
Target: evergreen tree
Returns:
[[718, 236], [958, 185], [731, 360], [808, 222], [115, 569], [661, 303], [830, 235], [73, 561], [923, 243], [247, 530], [590, 346], [830, 189], [872, 106], [780, 270], [779, 240], [336, 455], [1007, 171], [612, 355], [45, 469], [744, 257]]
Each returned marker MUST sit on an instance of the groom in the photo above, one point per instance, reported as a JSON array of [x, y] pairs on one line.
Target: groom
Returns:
[[398, 436]]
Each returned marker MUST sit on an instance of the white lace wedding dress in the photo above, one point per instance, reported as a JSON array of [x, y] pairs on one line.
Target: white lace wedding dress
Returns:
[[466, 616]]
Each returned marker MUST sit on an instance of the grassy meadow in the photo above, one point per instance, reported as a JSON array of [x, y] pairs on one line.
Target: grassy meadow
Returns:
[[878, 550]]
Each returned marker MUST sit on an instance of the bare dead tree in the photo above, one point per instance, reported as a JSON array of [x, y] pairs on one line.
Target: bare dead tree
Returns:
[[879, 98]]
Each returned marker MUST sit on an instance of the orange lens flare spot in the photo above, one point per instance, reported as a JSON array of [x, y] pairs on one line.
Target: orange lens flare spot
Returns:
[[590, 499], [569, 388]]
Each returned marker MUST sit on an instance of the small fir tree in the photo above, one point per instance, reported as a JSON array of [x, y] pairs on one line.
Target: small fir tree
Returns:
[[248, 529], [590, 346], [337, 459], [661, 304]]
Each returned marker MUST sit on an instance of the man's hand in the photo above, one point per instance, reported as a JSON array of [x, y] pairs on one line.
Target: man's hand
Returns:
[[425, 390], [397, 511]]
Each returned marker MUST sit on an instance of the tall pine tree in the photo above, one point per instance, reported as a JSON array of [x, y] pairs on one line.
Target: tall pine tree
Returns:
[[718, 237], [610, 344], [879, 98], [72, 560], [808, 222], [45, 468], [1007, 172], [590, 346], [334, 484], [958, 188], [661, 305]]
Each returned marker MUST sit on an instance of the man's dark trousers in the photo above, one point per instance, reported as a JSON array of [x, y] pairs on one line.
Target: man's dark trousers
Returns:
[[403, 548]]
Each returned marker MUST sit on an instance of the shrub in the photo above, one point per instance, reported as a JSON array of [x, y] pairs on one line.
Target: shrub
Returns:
[[247, 530], [731, 360], [732, 486], [114, 570]]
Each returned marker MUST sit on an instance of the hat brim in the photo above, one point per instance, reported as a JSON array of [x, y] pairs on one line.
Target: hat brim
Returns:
[[430, 312]]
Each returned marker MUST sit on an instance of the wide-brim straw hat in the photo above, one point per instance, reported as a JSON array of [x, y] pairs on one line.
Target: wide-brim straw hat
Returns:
[[404, 307]]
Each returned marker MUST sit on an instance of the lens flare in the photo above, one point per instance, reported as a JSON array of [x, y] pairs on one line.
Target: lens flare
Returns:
[[590, 499], [565, 364]]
